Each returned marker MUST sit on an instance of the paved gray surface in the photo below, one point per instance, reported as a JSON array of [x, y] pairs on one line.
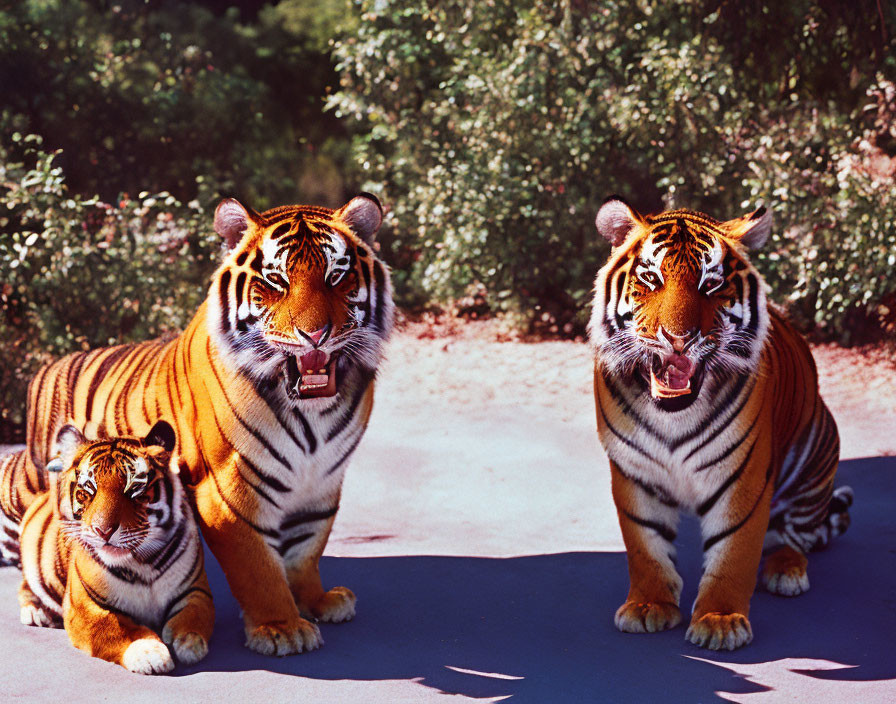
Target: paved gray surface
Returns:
[[478, 532]]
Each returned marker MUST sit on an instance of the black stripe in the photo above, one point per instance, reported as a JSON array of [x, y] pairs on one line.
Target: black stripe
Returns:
[[240, 283], [306, 428], [664, 531], [281, 230], [292, 542], [709, 542], [675, 443], [307, 517], [95, 596], [346, 416], [100, 374], [653, 490], [224, 295], [346, 454], [707, 505], [731, 448], [379, 274], [180, 597], [251, 430]]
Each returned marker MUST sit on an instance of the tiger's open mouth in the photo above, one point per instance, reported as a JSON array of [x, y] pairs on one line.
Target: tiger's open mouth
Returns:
[[311, 375], [671, 375]]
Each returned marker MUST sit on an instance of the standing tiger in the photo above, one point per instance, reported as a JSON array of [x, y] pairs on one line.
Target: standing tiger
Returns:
[[112, 552], [707, 401], [270, 389]]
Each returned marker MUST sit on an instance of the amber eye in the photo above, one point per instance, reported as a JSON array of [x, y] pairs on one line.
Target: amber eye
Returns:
[[711, 282], [651, 279], [277, 280], [82, 496], [150, 494]]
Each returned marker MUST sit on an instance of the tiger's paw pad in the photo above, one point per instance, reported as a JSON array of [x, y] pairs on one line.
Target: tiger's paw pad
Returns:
[[791, 582], [647, 617], [279, 639], [188, 647], [147, 656], [336, 606], [35, 615], [717, 631]]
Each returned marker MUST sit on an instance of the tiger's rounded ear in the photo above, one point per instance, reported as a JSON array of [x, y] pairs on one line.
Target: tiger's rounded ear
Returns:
[[161, 434], [615, 220], [69, 440], [751, 230], [232, 220], [55, 465], [363, 214]]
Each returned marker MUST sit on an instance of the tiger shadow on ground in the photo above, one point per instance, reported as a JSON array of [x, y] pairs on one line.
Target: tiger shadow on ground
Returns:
[[540, 628]]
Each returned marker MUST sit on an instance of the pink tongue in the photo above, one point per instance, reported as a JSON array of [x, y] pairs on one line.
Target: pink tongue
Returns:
[[314, 360], [680, 369]]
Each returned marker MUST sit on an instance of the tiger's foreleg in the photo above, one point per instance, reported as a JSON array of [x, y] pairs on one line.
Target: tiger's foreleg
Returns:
[[191, 619], [32, 612], [96, 628], [648, 526], [257, 579], [303, 572], [733, 530]]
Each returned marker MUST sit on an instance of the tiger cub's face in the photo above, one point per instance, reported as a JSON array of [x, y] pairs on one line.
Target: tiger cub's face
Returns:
[[678, 297], [302, 292], [118, 497]]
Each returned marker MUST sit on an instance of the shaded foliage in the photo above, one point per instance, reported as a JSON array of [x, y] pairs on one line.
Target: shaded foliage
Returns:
[[153, 95], [497, 128], [81, 273]]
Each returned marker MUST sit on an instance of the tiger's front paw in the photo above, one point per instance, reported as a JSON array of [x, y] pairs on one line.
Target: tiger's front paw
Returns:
[[147, 656], [647, 616], [717, 631], [336, 606], [188, 647], [36, 615], [284, 639]]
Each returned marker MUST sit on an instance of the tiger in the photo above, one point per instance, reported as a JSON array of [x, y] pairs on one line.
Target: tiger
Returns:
[[112, 553], [707, 402], [270, 389]]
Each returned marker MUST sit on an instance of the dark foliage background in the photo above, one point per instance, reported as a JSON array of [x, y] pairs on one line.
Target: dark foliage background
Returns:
[[492, 130]]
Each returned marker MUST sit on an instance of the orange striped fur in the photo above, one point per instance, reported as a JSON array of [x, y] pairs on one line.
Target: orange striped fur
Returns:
[[113, 553], [269, 389], [707, 402]]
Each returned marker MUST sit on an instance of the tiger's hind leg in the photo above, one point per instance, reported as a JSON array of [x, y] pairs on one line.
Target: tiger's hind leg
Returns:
[[784, 572]]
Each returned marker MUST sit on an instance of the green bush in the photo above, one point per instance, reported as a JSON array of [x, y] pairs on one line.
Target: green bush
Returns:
[[150, 95], [495, 129], [80, 273]]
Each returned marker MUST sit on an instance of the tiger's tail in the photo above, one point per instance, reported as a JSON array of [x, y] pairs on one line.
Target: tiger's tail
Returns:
[[837, 519]]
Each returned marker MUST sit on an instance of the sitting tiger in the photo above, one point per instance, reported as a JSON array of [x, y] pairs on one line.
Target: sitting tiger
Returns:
[[112, 552], [707, 401], [269, 388]]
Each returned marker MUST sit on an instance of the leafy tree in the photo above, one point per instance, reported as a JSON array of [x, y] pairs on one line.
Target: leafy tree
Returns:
[[496, 129]]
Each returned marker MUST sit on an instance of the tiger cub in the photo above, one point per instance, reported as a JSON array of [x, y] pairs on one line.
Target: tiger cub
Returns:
[[112, 552], [707, 402]]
